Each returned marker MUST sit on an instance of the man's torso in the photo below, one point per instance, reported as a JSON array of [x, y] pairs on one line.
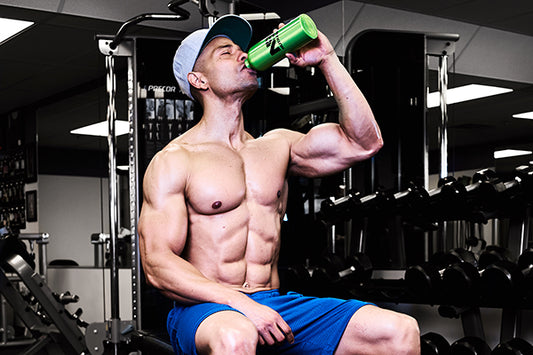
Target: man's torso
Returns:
[[236, 200]]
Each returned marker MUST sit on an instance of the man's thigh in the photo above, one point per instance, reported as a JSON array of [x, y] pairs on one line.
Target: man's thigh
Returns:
[[317, 323], [370, 331]]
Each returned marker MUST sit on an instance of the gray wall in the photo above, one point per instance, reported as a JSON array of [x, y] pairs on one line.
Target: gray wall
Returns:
[[481, 51], [71, 208]]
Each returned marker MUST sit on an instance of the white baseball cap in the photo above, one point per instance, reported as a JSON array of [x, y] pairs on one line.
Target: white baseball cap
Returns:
[[233, 27]]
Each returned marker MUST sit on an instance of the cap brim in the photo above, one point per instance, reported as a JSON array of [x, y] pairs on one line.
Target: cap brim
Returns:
[[232, 26]]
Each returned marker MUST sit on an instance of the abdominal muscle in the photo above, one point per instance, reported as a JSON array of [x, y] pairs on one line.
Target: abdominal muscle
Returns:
[[235, 248]]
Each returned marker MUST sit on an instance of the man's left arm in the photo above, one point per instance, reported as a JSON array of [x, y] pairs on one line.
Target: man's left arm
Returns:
[[329, 148]]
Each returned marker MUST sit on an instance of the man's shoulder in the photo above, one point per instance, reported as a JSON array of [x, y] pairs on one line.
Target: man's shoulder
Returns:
[[283, 134], [167, 159], [174, 150]]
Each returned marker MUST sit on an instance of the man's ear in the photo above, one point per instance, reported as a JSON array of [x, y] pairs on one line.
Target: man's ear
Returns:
[[197, 80]]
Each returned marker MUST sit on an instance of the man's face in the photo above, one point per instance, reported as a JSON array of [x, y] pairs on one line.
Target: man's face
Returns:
[[222, 63]]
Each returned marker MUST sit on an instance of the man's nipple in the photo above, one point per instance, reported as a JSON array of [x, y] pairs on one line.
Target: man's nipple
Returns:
[[216, 205]]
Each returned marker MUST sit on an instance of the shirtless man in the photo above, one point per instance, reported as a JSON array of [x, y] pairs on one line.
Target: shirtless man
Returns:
[[214, 199]]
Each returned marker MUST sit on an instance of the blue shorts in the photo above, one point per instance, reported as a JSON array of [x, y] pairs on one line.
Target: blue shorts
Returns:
[[317, 323]]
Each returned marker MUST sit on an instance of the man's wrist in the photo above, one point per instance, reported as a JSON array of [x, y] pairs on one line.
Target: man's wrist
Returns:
[[236, 299], [328, 59]]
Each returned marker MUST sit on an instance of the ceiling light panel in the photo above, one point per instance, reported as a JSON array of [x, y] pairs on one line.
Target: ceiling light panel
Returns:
[[100, 129], [525, 115], [10, 28], [507, 153], [465, 93]]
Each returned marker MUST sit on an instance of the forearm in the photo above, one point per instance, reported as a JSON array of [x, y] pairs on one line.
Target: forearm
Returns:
[[355, 115], [184, 283], [179, 280]]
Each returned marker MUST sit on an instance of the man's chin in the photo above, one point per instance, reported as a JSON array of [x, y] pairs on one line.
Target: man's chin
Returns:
[[252, 86], [250, 91]]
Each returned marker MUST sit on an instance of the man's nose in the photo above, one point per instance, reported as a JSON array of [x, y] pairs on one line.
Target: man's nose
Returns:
[[242, 56]]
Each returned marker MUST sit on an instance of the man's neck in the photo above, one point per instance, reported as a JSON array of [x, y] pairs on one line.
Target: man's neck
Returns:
[[223, 121]]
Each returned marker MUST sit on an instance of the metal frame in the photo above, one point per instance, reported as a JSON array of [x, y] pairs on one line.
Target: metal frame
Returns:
[[42, 240], [134, 188], [440, 46], [114, 330]]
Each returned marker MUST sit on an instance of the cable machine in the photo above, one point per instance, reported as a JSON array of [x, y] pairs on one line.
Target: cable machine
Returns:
[[115, 330]]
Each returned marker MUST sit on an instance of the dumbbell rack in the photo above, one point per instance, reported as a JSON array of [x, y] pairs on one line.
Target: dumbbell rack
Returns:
[[473, 204]]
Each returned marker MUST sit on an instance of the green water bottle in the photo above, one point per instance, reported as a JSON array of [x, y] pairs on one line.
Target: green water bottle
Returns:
[[289, 38]]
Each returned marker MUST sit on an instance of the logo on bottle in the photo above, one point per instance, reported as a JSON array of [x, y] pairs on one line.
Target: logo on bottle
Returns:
[[273, 42]]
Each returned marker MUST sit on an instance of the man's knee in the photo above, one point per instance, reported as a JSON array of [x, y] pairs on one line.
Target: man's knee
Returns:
[[235, 339], [404, 335], [226, 333], [374, 330]]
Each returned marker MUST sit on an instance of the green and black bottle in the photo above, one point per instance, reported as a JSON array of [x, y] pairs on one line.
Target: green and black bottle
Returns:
[[289, 38]]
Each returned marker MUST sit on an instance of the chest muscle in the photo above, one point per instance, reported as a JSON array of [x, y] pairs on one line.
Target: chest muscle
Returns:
[[222, 179]]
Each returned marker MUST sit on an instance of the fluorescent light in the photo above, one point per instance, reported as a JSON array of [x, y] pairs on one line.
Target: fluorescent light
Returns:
[[506, 153], [100, 129], [526, 115], [282, 90], [123, 167], [10, 27], [466, 93]]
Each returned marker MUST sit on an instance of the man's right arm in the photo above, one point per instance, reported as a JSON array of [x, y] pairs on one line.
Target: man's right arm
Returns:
[[162, 238], [163, 234]]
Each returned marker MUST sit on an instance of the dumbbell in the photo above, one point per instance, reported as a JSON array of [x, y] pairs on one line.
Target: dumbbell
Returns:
[[481, 195], [446, 202], [353, 204], [415, 197], [505, 281], [498, 197], [461, 281], [425, 281], [340, 209], [413, 206], [434, 344], [493, 196], [334, 268], [381, 202], [515, 346], [470, 345], [524, 175]]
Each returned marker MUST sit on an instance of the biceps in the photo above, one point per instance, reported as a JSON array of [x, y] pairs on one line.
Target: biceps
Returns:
[[324, 150]]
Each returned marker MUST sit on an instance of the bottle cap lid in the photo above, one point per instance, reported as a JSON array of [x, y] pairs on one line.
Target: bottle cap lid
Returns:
[[308, 26]]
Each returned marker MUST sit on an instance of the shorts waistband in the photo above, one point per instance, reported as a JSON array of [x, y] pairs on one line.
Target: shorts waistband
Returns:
[[263, 294]]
